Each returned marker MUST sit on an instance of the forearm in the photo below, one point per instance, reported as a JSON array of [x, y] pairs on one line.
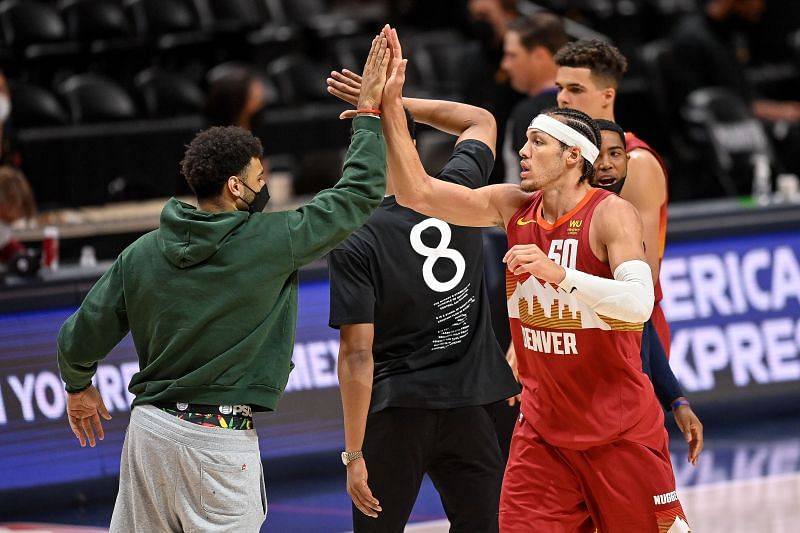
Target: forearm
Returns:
[[88, 335], [410, 180], [84, 340], [334, 213], [652, 247], [355, 382], [628, 297], [665, 383], [450, 117]]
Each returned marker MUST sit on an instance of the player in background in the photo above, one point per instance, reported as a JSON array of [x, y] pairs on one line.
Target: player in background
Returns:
[[590, 450], [611, 170]]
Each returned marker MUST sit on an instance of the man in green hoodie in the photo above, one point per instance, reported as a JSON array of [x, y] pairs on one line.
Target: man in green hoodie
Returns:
[[210, 298]]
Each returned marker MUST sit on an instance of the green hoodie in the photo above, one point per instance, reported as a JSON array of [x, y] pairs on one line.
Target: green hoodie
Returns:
[[211, 298]]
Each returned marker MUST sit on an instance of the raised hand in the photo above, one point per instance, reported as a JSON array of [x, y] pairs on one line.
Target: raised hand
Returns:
[[397, 70], [374, 76], [345, 85], [395, 47]]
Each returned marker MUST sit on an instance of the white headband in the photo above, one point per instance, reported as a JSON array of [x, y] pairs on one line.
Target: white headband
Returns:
[[565, 134]]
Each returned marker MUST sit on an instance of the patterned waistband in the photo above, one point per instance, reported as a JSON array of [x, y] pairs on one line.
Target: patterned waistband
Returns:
[[218, 416]]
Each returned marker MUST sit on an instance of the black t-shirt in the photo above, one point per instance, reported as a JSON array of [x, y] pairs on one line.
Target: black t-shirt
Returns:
[[420, 282]]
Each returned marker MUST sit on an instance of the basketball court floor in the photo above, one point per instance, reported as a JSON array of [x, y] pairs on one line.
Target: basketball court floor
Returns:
[[747, 481]]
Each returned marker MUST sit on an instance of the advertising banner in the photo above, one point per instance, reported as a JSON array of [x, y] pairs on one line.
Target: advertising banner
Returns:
[[733, 305]]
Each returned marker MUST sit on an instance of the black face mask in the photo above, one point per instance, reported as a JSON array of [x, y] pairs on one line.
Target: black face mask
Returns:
[[615, 187], [259, 201]]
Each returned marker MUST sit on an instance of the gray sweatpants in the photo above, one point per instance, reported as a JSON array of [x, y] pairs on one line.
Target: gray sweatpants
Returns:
[[179, 476]]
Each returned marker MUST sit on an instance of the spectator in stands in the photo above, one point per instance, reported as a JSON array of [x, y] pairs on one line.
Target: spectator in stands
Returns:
[[483, 82], [528, 49], [234, 99], [714, 49], [589, 74], [7, 155], [16, 202]]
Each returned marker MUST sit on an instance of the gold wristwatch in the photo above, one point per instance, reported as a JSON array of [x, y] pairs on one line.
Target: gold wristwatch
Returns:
[[349, 457]]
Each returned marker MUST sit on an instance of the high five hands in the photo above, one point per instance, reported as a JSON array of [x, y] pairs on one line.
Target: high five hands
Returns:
[[374, 77], [347, 85]]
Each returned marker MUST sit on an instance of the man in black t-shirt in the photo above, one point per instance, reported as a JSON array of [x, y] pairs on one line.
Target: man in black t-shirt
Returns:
[[418, 358]]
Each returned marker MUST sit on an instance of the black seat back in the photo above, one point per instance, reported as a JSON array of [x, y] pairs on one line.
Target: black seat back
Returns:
[[166, 94], [89, 20], [35, 106], [93, 98]]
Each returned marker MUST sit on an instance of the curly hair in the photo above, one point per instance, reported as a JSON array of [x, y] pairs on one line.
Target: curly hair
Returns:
[[582, 123], [216, 154], [605, 61]]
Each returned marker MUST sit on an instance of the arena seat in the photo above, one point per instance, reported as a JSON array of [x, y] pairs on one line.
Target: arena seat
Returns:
[[722, 121], [90, 164], [34, 29], [171, 23], [438, 58], [350, 52], [92, 20], [298, 79], [93, 98], [166, 94], [35, 107], [661, 70], [230, 16], [316, 16], [107, 36]]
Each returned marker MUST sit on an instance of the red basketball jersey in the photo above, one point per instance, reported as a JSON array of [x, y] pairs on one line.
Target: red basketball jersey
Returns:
[[632, 142], [581, 371]]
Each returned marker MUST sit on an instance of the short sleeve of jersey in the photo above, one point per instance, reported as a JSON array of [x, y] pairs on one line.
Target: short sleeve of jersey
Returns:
[[470, 165], [351, 289]]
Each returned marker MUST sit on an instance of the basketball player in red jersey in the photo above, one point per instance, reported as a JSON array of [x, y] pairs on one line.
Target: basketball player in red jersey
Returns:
[[587, 79], [589, 72], [611, 170], [590, 449]]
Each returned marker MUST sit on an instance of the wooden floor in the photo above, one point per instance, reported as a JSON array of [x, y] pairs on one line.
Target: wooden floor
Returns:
[[764, 505], [747, 481]]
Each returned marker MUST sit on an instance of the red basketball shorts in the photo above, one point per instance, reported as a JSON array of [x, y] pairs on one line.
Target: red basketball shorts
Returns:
[[621, 487]]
